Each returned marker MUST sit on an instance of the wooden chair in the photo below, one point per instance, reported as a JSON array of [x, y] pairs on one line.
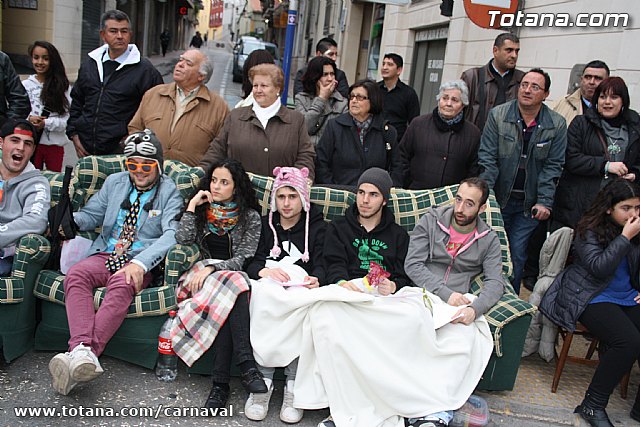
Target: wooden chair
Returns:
[[564, 357]]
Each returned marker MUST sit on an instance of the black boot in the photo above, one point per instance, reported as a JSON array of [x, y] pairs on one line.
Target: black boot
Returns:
[[635, 411], [218, 396], [592, 410], [253, 382]]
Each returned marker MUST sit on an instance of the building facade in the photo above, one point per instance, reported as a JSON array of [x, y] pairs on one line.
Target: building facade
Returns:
[[436, 48], [73, 27]]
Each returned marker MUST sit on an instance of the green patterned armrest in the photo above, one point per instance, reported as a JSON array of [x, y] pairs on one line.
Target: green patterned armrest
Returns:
[[508, 308], [185, 177], [180, 258], [31, 254]]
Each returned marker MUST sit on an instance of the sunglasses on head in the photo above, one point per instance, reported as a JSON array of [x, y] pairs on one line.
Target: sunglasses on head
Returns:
[[140, 167]]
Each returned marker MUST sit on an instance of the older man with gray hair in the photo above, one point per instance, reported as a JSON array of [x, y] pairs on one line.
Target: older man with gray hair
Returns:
[[185, 115], [441, 148]]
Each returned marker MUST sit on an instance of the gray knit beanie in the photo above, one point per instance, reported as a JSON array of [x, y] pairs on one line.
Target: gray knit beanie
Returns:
[[378, 177]]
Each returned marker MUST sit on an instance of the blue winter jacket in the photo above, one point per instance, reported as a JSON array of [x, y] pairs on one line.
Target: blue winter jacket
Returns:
[[156, 228]]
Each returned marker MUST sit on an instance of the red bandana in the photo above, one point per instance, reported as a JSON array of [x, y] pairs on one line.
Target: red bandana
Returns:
[[23, 132]]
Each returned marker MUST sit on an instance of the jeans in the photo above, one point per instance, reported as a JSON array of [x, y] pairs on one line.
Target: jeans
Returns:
[[618, 328], [95, 328], [5, 266], [233, 340], [519, 227], [289, 371]]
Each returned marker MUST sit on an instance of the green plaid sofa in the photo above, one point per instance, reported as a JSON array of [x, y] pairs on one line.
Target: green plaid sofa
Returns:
[[509, 319], [137, 339], [17, 303]]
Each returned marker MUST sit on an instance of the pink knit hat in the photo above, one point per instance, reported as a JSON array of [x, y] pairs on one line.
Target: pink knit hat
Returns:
[[296, 179]]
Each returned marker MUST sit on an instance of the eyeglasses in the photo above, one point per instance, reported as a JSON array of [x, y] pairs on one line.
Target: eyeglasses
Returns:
[[140, 167], [359, 97], [534, 87]]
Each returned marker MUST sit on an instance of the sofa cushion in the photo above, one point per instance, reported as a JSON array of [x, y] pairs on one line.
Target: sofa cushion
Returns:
[[32, 251], [149, 302], [11, 290]]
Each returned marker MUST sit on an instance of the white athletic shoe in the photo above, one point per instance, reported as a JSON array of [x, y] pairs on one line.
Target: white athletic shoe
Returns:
[[257, 404], [288, 413], [59, 367], [84, 364]]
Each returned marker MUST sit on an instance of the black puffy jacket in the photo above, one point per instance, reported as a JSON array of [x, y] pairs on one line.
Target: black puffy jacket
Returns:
[[341, 158], [14, 101], [435, 154], [584, 165], [100, 112], [593, 268]]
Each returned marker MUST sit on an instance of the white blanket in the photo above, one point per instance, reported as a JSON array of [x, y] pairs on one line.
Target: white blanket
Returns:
[[372, 360]]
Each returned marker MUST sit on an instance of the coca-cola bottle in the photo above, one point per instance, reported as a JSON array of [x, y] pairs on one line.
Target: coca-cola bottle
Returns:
[[167, 365]]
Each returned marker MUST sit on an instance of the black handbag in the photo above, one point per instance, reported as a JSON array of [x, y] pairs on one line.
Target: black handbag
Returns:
[[61, 224]]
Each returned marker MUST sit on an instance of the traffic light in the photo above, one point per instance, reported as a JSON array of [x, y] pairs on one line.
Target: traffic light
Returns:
[[446, 8]]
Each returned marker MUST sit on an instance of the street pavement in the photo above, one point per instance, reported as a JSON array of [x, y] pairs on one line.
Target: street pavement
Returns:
[[126, 387]]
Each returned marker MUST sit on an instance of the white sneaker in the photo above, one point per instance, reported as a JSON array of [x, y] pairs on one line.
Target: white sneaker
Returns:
[[288, 413], [327, 422], [84, 364], [59, 367], [257, 404]]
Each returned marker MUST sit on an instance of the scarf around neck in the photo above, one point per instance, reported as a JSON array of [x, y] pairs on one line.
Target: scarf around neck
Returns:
[[221, 218], [264, 114], [445, 125], [363, 127]]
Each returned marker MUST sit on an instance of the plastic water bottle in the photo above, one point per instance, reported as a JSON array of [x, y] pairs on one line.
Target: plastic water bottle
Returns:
[[167, 365]]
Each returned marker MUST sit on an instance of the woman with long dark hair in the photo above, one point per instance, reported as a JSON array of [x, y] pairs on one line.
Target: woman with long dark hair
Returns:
[[600, 289], [602, 144], [48, 91], [320, 101], [220, 219]]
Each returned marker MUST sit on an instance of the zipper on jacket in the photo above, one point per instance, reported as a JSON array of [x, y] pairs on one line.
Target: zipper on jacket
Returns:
[[95, 117]]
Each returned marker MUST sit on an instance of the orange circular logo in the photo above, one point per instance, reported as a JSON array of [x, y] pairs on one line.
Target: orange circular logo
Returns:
[[486, 13]]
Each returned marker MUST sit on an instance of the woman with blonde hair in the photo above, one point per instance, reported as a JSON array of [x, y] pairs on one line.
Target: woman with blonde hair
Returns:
[[265, 134]]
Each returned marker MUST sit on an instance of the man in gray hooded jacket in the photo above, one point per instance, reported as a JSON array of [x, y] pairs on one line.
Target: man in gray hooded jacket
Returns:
[[451, 245], [24, 192]]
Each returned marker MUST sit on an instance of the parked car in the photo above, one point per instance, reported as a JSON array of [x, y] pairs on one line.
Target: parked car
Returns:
[[244, 47]]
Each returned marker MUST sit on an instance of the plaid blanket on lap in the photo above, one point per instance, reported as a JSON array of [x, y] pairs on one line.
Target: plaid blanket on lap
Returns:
[[201, 316]]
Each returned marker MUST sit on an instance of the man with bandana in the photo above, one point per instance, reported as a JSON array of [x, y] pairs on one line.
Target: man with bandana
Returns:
[[136, 210], [24, 192]]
